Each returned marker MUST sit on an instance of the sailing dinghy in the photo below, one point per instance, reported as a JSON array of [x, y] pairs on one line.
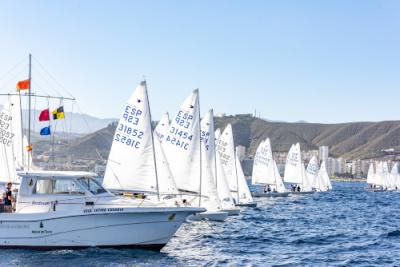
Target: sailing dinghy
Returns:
[[233, 170], [266, 173], [295, 171], [186, 155]]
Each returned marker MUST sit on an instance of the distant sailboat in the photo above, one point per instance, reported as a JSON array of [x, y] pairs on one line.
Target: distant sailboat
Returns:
[[208, 138], [311, 181], [394, 173], [233, 169], [324, 183], [295, 171], [265, 172]]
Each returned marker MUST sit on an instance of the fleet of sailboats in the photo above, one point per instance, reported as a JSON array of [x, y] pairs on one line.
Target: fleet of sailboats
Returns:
[[380, 179], [156, 179]]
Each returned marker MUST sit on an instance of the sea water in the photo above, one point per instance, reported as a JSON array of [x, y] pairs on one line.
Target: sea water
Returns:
[[344, 227]]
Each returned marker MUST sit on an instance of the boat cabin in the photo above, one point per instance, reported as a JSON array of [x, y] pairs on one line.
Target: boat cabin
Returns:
[[45, 191]]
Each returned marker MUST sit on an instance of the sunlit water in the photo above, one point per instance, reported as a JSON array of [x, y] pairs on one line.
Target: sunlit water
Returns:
[[345, 227]]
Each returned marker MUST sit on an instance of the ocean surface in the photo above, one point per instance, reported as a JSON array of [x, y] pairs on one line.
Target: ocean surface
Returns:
[[345, 227]]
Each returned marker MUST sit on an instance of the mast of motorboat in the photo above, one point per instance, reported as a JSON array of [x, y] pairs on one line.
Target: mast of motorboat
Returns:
[[152, 141], [29, 111]]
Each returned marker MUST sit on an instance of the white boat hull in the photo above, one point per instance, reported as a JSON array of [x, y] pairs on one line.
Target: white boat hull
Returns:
[[232, 212], [272, 194], [218, 216], [302, 192], [136, 229], [248, 204]]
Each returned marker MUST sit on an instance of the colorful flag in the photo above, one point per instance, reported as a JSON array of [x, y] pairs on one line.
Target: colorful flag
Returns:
[[23, 85], [44, 115], [45, 131], [58, 113], [29, 148]]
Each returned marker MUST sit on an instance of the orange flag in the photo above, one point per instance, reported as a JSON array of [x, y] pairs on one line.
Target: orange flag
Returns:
[[23, 85]]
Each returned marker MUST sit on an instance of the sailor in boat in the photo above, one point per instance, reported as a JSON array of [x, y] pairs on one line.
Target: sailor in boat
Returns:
[[298, 188], [8, 199]]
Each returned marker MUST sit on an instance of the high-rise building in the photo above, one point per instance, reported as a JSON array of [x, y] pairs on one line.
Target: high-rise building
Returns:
[[323, 153]]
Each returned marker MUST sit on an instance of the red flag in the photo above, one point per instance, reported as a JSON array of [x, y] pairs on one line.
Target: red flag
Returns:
[[44, 115], [23, 85]]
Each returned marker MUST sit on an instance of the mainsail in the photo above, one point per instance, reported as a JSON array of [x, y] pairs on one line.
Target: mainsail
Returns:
[[131, 163], [162, 127], [265, 170], [310, 180], [293, 167], [244, 194], [226, 149], [7, 156], [182, 145]]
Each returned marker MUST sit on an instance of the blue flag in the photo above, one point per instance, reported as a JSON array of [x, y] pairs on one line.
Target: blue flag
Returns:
[[45, 131]]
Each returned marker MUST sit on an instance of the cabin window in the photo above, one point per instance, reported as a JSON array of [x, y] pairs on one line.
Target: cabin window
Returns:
[[58, 187], [92, 185]]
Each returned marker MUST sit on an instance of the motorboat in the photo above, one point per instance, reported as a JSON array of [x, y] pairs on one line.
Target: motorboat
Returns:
[[69, 210]]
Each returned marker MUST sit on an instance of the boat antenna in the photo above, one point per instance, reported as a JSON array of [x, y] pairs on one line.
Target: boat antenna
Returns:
[[152, 140]]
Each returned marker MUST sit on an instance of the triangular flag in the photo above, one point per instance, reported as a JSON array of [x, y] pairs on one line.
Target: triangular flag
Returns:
[[44, 115], [45, 131]]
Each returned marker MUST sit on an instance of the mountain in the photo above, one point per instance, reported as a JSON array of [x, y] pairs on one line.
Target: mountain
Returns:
[[348, 140], [74, 123]]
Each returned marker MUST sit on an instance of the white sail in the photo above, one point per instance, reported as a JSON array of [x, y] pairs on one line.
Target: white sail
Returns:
[[208, 138], [386, 175], [212, 200], [217, 134], [395, 175], [371, 174], [379, 179], [162, 127], [18, 145], [311, 174], [280, 186], [224, 192], [243, 188], [166, 182], [226, 149], [293, 166], [131, 164], [263, 172], [7, 157], [323, 181], [182, 145]]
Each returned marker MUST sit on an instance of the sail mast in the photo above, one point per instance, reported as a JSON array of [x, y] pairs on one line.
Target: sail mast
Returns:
[[198, 107], [237, 178], [152, 141], [29, 110]]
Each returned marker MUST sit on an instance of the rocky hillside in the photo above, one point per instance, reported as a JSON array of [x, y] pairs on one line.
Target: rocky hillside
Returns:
[[349, 140]]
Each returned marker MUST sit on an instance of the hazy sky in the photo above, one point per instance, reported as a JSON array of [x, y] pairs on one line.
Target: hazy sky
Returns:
[[319, 61]]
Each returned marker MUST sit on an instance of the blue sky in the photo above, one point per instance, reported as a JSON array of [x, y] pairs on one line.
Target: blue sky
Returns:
[[319, 61]]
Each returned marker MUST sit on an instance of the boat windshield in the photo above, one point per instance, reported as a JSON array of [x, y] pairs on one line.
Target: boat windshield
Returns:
[[92, 185]]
